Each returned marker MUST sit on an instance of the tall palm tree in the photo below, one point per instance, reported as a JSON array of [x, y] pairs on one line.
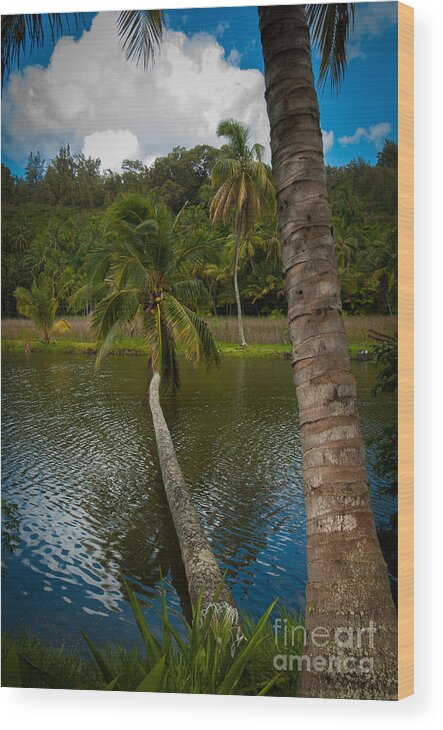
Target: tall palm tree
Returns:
[[243, 187], [348, 583], [144, 272]]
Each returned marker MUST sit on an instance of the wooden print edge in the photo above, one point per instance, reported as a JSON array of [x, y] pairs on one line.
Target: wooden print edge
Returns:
[[406, 350]]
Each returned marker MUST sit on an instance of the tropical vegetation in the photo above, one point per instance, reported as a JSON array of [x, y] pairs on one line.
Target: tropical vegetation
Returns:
[[55, 214], [203, 657]]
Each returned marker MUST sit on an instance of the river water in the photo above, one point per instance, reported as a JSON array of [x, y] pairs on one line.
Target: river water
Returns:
[[83, 500]]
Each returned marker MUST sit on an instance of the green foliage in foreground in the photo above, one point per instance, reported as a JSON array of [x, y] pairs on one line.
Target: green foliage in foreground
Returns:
[[385, 350], [208, 657]]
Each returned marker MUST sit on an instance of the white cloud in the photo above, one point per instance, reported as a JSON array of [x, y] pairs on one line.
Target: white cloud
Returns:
[[234, 57], [328, 140], [149, 160], [112, 146], [354, 51], [371, 20], [376, 135], [221, 27], [90, 96]]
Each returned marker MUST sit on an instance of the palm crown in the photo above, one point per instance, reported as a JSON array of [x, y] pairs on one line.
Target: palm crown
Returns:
[[241, 180], [145, 271], [40, 304]]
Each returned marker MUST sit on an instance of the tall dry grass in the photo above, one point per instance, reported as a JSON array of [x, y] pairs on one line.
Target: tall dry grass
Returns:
[[357, 327], [272, 331], [258, 330], [25, 329]]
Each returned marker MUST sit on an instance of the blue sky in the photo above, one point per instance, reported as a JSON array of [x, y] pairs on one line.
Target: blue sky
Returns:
[[221, 47]]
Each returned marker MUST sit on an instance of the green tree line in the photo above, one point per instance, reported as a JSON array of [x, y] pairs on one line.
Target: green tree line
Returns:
[[57, 211]]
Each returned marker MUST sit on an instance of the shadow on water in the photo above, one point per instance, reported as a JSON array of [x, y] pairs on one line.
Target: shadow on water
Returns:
[[81, 469]]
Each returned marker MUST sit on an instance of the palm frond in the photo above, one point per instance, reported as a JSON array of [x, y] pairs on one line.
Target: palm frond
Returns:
[[128, 271], [192, 293], [197, 250], [141, 32], [163, 355], [87, 294], [258, 151], [21, 33], [108, 316], [209, 353], [224, 169], [180, 213], [329, 25], [60, 327], [237, 134], [170, 372], [97, 264], [191, 331], [132, 208], [223, 206], [25, 305]]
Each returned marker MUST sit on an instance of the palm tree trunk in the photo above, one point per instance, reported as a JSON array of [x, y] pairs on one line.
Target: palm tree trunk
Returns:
[[202, 571], [348, 594], [213, 300], [237, 293]]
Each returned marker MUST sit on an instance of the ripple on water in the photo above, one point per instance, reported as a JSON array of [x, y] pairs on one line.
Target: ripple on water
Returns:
[[81, 476]]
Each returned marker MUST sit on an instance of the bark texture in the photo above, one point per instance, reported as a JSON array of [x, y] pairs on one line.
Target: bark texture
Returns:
[[348, 585], [202, 572], [237, 294]]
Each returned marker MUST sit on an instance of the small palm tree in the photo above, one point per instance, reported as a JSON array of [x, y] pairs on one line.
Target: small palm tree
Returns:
[[242, 188], [40, 305], [144, 272]]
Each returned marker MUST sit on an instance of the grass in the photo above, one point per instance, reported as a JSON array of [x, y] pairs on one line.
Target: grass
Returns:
[[209, 656], [266, 336]]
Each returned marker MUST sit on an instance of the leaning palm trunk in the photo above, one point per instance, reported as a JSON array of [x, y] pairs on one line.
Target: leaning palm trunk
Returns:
[[202, 572], [237, 294], [348, 592]]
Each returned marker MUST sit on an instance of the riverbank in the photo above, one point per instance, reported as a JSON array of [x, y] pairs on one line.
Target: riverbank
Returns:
[[267, 337], [134, 346]]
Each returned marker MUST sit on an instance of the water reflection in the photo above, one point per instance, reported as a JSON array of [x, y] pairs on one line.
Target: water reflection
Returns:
[[80, 466]]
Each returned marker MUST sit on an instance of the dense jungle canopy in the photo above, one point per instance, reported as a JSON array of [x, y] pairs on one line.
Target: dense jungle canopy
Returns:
[[58, 210]]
